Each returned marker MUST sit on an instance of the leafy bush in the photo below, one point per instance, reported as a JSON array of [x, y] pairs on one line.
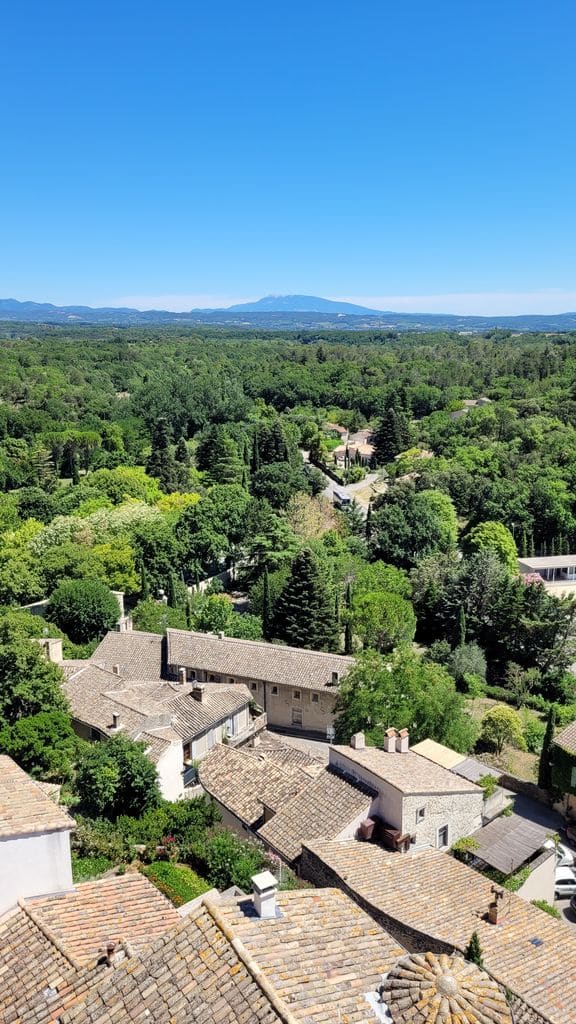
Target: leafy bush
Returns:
[[83, 609], [86, 868], [533, 731], [179, 883], [565, 713], [115, 778], [99, 838], [225, 859], [489, 784], [467, 660]]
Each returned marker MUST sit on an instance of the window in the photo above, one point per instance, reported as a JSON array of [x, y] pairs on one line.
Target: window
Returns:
[[94, 734], [443, 836], [315, 698], [420, 814], [274, 691], [187, 752], [253, 686], [296, 716], [231, 680], [296, 694]]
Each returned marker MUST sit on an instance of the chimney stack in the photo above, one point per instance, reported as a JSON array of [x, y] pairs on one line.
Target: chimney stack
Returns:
[[110, 948], [116, 670], [493, 906], [182, 675], [390, 740], [198, 692], [115, 719], [335, 679], [403, 741], [358, 741], [221, 635], [264, 889]]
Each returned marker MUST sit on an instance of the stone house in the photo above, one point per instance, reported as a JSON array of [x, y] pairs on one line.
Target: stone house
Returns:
[[418, 803], [179, 722], [296, 688]]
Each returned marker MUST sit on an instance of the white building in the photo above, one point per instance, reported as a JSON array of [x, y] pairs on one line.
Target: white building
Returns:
[[34, 838]]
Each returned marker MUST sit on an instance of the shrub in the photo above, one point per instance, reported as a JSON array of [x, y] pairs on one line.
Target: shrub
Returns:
[[467, 660], [225, 859], [533, 731], [179, 883], [489, 784], [83, 609], [86, 868]]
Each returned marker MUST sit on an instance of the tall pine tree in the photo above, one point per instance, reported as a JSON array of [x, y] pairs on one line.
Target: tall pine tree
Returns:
[[266, 607], [392, 436], [304, 615], [161, 462]]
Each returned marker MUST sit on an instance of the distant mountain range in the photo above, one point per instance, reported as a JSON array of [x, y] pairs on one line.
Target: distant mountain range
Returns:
[[283, 312]]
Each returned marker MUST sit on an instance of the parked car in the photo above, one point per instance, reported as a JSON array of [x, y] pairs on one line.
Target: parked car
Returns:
[[564, 883], [564, 856]]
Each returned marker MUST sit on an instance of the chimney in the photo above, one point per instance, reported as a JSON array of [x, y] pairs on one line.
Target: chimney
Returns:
[[115, 719], [264, 889], [493, 906], [110, 948], [221, 635], [390, 740], [116, 670], [358, 741], [182, 675], [403, 741], [198, 692]]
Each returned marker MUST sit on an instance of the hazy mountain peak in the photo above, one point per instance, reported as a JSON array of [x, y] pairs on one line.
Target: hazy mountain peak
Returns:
[[298, 304]]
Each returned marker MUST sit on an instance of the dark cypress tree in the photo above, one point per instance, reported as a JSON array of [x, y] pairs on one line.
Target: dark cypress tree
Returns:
[[75, 470], [189, 612], [348, 641], [523, 544], [304, 614], [144, 585], [226, 466], [392, 436], [544, 766], [255, 462], [368, 528], [171, 595], [473, 951], [246, 452], [266, 607], [245, 478], [161, 462], [531, 546], [181, 454], [461, 626]]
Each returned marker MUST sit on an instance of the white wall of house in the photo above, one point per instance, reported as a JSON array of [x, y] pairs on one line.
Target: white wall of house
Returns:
[[34, 865], [540, 882], [169, 767]]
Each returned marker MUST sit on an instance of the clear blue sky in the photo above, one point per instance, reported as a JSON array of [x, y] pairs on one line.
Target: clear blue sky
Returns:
[[188, 153]]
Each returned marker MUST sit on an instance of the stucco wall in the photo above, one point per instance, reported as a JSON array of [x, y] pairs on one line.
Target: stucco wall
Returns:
[[37, 865], [169, 768], [540, 882]]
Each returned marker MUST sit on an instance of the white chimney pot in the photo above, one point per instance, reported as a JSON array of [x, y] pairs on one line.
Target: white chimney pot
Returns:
[[358, 741], [264, 889]]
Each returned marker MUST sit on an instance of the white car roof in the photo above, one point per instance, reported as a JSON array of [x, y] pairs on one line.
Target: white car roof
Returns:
[[565, 874]]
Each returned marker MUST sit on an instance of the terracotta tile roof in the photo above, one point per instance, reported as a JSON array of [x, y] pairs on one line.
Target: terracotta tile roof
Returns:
[[30, 964], [566, 739], [139, 655], [430, 892], [447, 989], [244, 785], [25, 808], [320, 811], [409, 772], [322, 954], [191, 974], [124, 908], [256, 660]]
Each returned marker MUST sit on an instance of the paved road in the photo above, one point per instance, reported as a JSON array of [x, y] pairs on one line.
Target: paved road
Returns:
[[349, 489]]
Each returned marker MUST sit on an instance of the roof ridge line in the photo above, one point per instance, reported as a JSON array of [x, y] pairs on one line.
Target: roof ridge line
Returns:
[[253, 968], [260, 643], [50, 935]]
